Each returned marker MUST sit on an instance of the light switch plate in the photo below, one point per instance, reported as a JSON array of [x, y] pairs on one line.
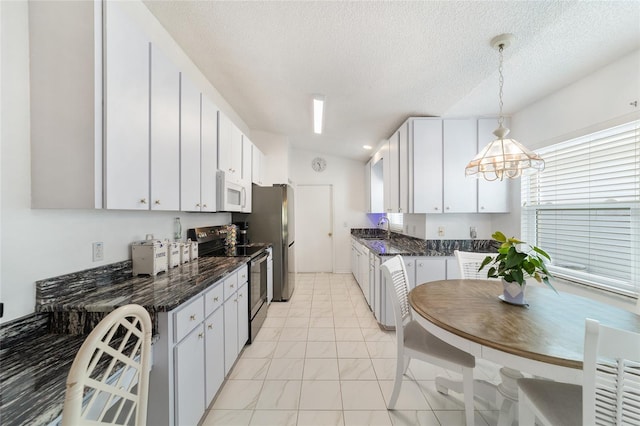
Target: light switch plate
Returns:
[[98, 251]]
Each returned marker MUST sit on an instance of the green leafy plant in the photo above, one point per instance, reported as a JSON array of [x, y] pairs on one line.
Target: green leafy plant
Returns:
[[516, 261]]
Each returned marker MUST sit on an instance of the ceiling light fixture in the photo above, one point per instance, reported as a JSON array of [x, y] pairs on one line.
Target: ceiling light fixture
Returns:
[[318, 112], [367, 147], [503, 157]]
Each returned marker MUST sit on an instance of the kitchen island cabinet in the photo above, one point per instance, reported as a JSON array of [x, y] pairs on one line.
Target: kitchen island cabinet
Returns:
[[182, 300], [425, 261]]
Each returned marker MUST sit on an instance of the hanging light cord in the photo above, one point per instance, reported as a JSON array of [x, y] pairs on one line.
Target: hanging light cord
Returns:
[[501, 118]]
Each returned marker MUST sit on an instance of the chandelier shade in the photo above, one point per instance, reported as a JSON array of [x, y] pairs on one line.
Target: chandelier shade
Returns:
[[503, 157]]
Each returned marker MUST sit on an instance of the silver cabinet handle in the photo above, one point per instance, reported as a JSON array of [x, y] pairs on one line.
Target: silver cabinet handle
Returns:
[[436, 208], [143, 201], [200, 335], [448, 207], [215, 299], [210, 326], [197, 204], [157, 202], [192, 318]]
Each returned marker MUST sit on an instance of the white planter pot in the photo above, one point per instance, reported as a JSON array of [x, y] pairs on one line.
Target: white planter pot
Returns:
[[513, 293]]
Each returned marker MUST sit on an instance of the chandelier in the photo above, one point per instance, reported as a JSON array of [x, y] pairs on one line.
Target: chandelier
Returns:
[[503, 157]]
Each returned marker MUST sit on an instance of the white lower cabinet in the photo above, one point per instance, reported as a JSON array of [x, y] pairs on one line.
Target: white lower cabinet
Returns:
[[213, 352], [196, 346], [189, 380], [236, 319]]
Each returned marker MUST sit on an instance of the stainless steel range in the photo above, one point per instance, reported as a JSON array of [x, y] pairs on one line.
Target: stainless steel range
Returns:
[[211, 243]]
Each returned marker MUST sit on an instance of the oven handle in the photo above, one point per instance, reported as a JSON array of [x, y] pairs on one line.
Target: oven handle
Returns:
[[259, 259]]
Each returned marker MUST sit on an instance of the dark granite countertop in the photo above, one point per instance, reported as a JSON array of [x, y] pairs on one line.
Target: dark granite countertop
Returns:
[[377, 241], [35, 361]]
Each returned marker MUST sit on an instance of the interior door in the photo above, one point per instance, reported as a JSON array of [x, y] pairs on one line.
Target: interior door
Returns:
[[314, 228]]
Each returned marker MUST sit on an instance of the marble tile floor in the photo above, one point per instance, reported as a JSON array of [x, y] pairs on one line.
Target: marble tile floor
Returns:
[[321, 359]]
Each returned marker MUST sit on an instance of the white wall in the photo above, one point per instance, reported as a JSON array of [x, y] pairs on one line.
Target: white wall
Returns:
[[38, 244], [598, 101], [347, 178]]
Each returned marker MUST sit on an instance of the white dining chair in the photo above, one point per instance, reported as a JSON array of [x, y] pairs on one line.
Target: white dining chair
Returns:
[[610, 394], [413, 341], [108, 382], [469, 262]]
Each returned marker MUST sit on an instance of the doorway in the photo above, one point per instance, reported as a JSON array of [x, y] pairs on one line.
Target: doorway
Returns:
[[314, 228]]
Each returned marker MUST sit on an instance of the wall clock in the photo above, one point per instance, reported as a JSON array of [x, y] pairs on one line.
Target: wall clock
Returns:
[[319, 164]]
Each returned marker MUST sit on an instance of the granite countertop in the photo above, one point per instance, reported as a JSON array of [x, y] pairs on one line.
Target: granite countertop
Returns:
[[35, 362], [394, 244]]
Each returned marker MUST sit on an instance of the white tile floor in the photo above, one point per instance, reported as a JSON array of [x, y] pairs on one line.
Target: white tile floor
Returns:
[[321, 359]]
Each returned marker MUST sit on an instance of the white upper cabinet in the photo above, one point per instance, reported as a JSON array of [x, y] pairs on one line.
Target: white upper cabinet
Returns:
[[493, 197], [246, 180], [229, 149], [165, 132], [208, 155], [258, 166], [460, 145], [422, 169], [126, 144], [189, 146], [66, 104], [426, 168]]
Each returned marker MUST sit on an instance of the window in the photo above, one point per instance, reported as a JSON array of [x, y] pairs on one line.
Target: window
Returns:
[[584, 208]]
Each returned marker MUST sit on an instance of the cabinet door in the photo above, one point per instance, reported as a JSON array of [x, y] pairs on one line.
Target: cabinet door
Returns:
[[165, 132], [214, 354], [126, 141], [404, 171], [189, 380], [243, 317], [493, 197], [453, 269], [410, 266], [236, 154], [430, 269], [229, 149], [256, 165], [208, 155], [427, 165], [230, 332], [460, 142], [247, 157], [392, 175], [363, 270], [225, 136], [189, 146]]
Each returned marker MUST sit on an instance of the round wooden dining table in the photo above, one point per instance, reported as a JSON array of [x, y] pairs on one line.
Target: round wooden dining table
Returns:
[[543, 338]]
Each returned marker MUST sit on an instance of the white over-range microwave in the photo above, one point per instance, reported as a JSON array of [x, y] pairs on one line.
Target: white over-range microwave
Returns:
[[232, 197]]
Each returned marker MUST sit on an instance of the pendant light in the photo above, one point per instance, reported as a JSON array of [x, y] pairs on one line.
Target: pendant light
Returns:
[[503, 157]]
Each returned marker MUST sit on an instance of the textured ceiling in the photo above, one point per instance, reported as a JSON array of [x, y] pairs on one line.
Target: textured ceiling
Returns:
[[378, 63]]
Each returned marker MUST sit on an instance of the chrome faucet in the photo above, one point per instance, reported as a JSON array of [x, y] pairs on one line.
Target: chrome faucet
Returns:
[[382, 220]]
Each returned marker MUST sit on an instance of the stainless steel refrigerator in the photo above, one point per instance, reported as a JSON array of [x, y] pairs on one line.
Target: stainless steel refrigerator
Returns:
[[272, 221]]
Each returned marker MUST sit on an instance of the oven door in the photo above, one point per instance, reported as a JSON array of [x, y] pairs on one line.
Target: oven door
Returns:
[[257, 284], [231, 196]]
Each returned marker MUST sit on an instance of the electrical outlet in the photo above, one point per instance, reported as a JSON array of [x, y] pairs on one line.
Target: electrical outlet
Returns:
[[440, 231], [473, 233], [98, 251]]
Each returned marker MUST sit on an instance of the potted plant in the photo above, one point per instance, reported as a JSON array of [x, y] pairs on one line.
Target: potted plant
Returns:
[[516, 261]]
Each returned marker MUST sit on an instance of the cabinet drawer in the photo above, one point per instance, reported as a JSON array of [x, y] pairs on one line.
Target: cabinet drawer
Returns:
[[230, 285], [243, 275], [187, 318], [213, 298]]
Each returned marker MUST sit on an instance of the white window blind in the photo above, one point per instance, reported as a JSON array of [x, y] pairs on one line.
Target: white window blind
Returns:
[[584, 208]]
